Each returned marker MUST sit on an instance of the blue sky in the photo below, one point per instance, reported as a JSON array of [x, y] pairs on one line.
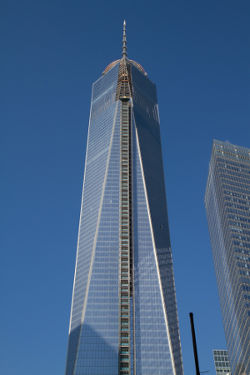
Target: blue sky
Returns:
[[197, 52]]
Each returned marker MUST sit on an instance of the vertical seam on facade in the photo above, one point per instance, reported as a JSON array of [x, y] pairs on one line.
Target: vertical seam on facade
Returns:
[[133, 246], [155, 255]]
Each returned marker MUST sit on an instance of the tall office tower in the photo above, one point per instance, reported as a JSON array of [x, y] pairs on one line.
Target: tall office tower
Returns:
[[227, 202], [123, 315], [221, 362]]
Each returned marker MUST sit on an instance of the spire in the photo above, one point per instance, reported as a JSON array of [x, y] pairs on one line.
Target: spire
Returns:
[[124, 41]]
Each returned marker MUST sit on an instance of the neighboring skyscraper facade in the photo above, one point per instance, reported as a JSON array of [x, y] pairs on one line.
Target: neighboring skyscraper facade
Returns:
[[227, 202], [221, 362], [124, 315]]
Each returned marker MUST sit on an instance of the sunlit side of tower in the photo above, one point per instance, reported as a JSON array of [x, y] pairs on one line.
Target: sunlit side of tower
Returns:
[[227, 202], [123, 314]]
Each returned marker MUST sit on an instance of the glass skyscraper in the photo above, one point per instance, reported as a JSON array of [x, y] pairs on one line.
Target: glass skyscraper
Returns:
[[123, 314], [227, 202]]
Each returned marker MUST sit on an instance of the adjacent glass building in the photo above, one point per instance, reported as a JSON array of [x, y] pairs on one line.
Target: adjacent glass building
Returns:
[[123, 314], [221, 362], [227, 202]]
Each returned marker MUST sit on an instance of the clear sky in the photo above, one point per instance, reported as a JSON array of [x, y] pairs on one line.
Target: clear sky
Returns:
[[197, 52]]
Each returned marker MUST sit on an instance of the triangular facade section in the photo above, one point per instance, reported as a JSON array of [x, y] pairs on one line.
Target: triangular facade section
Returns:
[[152, 341]]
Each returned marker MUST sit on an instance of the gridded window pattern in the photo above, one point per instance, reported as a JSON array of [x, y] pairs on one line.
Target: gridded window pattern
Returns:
[[221, 362], [227, 202]]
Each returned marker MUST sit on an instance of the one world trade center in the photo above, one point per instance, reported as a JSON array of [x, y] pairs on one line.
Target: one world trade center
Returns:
[[124, 316]]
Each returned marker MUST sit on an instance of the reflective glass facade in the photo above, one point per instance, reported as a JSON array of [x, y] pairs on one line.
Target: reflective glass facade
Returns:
[[123, 314], [227, 202]]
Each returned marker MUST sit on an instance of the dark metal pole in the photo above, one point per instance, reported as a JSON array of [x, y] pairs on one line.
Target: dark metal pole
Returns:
[[191, 316]]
